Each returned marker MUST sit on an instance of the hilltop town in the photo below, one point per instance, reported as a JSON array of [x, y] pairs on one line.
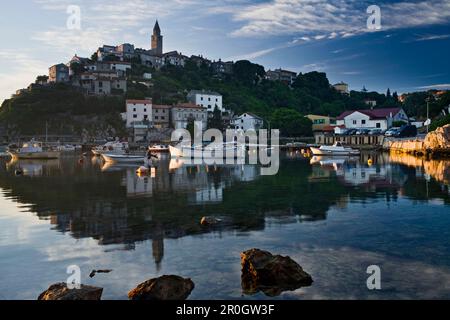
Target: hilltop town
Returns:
[[144, 94]]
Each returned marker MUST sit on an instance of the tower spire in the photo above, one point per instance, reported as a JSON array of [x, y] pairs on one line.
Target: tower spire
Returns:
[[157, 40]]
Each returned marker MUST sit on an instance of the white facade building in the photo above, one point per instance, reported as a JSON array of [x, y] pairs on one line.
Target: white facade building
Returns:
[[206, 99], [372, 118], [138, 111], [248, 121]]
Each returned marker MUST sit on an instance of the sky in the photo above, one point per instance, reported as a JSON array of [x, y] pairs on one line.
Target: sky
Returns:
[[408, 52]]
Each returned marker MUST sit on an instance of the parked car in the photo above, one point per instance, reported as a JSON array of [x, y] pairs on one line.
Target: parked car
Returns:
[[374, 132], [391, 132], [361, 132], [406, 131], [350, 132]]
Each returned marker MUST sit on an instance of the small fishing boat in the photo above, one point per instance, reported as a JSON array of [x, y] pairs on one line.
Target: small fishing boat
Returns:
[[34, 150], [337, 149], [159, 148], [66, 148], [111, 148], [123, 158]]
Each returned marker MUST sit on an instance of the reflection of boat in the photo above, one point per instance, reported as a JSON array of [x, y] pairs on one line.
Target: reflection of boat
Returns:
[[323, 161], [126, 158], [111, 148], [337, 149], [208, 152], [34, 150]]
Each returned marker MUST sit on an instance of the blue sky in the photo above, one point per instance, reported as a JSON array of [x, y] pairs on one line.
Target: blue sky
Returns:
[[409, 53]]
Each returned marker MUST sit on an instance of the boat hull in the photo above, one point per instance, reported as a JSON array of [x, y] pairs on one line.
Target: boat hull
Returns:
[[116, 158], [36, 155], [330, 152]]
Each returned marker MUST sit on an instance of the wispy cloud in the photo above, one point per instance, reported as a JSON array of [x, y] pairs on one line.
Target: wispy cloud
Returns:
[[21, 69], [441, 86], [335, 18], [432, 37]]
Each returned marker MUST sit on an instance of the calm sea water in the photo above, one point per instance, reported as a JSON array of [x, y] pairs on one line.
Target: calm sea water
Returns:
[[335, 217]]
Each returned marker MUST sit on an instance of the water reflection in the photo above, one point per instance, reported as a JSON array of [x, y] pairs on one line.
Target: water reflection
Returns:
[[115, 206]]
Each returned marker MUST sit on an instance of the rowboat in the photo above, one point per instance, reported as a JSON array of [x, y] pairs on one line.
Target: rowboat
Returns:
[[123, 158]]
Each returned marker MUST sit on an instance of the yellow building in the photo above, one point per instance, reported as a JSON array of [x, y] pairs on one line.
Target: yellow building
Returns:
[[320, 122]]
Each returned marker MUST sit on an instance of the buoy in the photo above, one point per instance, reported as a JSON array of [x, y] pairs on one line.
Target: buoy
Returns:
[[369, 162], [142, 170]]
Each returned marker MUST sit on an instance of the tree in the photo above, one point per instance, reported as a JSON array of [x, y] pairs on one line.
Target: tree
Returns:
[[248, 73], [388, 93], [291, 123], [216, 122], [395, 96], [94, 57], [77, 68]]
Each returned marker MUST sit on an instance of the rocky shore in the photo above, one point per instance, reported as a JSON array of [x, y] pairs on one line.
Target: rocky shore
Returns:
[[261, 271], [436, 143]]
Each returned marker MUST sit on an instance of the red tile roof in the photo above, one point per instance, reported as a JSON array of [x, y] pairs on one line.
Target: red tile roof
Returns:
[[160, 106], [139, 101], [372, 113], [188, 106]]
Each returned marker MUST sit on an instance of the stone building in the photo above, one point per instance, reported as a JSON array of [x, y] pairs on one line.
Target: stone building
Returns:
[[157, 40]]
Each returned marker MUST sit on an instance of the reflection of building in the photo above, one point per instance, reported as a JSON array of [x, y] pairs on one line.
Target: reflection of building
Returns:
[[137, 186]]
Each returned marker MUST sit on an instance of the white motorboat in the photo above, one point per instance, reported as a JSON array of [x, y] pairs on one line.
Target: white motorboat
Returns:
[[111, 148], [123, 158], [208, 152], [34, 150], [337, 149]]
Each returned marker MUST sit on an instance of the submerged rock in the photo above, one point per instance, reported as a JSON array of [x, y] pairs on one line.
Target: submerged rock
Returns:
[[59, 291], [163, 288], [262, 271]]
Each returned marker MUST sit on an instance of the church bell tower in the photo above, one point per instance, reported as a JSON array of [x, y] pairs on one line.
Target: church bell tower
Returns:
[[157, 40]]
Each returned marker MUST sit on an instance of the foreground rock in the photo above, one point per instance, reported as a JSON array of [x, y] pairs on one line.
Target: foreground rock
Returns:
[[59, 291], [262, 271], [163, 288], [438, 139]]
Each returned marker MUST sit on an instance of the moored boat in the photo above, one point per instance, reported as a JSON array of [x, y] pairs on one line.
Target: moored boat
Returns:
[[34, 150], [159, 148], [123, 158], [111, 148], [337, 149]]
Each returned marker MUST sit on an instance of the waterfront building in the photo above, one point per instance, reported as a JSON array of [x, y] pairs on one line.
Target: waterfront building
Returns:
[[248, 121], [138, 111], [372, 118], [320, 122], [161, 116], [183, 113], [207, 99]]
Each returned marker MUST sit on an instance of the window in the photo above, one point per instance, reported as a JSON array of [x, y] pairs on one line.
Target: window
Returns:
[[145, 109], [100, 84], [163, 118], [156, 118], [378, 125], [354, 122], [134, 109], [209, 99], [201, 98], [363, 121], [217, 100], [145, 117], [135, 116]]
